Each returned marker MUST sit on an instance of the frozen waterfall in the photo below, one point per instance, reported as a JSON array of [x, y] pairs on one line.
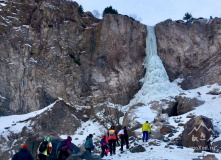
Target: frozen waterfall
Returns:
[[156, 84]]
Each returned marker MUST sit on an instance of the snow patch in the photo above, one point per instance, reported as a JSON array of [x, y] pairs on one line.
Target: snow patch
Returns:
[[33, 60], [26, 26], [87, 128], [12, 17], [51, 6], [2, 4], [28, 45], [2, 97], [3, 24], [17, 28]]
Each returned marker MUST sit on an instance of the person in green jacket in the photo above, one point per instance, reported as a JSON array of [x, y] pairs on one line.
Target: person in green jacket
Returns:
[[89, 143], [146, 129]]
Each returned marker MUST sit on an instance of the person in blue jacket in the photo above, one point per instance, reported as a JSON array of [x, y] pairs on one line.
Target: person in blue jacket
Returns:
[[23, 154]]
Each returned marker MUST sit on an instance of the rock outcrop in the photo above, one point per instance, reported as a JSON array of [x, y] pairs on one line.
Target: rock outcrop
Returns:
[[186, 104], [210, 157], [58, 119], [197, 134], [191, 51], [216, 146], [50, 50], [137, 149], [86, 155]]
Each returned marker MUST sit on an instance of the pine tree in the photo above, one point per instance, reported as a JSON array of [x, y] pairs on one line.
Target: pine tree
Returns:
[[80, 9], [187, 16], [109, 10]]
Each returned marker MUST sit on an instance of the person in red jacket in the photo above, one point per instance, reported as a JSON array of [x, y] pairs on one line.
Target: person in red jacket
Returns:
[[112, 139], [65, 149]]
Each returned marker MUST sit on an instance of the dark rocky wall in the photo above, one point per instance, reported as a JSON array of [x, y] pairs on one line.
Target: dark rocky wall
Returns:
[[191, 51], [49, 50]]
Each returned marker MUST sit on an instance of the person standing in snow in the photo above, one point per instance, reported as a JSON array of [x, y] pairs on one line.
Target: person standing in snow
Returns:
[[108, 148], [112, 139], [123, 137], [64, 150], [89, 143], [23, 154], [104, 146], [146, 129], [44, 149]]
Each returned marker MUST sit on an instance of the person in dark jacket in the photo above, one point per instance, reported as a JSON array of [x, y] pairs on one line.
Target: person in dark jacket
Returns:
[[126, 137], [64, 150], [123, 137], [23, 154], [112, 139]]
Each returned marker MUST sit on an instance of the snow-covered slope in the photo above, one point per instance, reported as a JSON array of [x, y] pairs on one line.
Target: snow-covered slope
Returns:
[[15, 123]]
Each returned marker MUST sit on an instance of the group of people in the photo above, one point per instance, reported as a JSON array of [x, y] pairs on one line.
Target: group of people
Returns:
[[108, 141], [44, 150], [108, 144]]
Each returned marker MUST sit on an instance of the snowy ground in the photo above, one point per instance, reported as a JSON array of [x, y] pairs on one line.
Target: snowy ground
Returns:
[[159, 153]]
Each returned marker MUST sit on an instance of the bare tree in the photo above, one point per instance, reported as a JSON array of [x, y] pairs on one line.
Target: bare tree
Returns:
[[134, 16], [96, 14]]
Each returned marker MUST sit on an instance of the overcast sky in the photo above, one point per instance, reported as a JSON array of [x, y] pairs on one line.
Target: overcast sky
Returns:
[[154, 11]]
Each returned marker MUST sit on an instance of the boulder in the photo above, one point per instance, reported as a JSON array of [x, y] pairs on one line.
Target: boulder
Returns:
[[190, 115], [86, 155], [156, 135], [137, 149], [186, 104], [197, 133], [210, 157], [216, 147], [165, 129], [215, 91]]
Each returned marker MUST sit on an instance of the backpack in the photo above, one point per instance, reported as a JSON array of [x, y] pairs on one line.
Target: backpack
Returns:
[[88, 143], [60, 146], [43, 146], [103, 142], [121, 132], [111, 132]]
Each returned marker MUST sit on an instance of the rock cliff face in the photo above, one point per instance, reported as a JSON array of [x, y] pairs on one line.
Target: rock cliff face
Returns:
[[49, 50], [191, 51]]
